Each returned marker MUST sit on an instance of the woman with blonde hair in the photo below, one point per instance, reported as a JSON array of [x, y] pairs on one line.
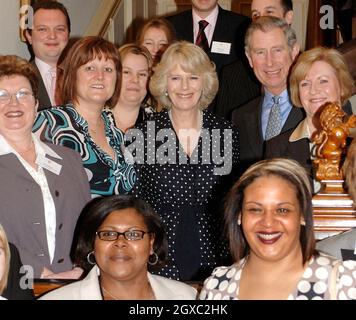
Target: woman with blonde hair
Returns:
[[4, 260], [320, 75], [184, 173], [131, 109]]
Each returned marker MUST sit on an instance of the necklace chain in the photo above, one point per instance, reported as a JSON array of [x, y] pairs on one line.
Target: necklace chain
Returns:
[[110, 294], [152, 295]]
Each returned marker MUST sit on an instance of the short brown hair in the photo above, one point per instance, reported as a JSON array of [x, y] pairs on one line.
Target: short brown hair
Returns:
[[191, 59], [331, 57], [290, 171], [12, 65], [51, 5], [83, 51], [5, 244]]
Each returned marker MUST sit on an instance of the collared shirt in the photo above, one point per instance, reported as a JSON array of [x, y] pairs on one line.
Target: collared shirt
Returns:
[[40, 178], [45, 71], [209, 29], [302, 132], [285, 104]]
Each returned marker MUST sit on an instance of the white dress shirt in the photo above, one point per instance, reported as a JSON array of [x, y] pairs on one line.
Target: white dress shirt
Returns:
[[40, 178], [46, 71], [209, 29]]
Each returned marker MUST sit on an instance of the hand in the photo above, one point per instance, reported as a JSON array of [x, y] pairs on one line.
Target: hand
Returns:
[[75, 273], [46, 273]]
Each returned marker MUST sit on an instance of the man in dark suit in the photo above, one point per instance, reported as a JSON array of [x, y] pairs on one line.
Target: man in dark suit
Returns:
[[48, 36], [271, 47], [224, 32], [238, 84]]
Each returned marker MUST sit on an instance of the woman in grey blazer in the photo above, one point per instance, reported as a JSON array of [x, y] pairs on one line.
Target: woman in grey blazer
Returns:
[[123, 238], [44, 187]]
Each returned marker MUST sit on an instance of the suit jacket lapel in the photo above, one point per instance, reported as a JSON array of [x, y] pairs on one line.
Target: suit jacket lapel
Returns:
[[295, 116], [43, 98], [187, 31], [253, 126]]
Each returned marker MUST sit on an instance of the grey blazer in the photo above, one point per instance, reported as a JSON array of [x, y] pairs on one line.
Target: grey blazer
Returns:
[[22, 212], [89, 289]]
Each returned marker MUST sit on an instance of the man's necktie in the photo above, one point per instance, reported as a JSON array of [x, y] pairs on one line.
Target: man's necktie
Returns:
[[274, 125], [201, 40], [52, 76]]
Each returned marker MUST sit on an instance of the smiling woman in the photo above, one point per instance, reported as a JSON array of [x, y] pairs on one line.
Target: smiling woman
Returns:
[[269, 219], [91, 80], [120, 238]]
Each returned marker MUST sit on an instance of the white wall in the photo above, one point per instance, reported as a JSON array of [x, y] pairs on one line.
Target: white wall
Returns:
[[9, 29], [85, 9], [9, 23]]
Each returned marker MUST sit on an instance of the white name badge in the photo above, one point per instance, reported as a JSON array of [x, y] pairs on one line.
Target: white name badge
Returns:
[[49, 164], [221, 47]]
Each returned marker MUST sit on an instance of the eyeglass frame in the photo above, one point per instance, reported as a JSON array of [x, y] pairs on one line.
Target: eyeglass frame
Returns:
[[10, 95], [118, 234]]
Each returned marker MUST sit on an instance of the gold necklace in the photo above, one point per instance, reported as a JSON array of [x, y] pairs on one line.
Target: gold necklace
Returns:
[[151, 297], [110, 294]]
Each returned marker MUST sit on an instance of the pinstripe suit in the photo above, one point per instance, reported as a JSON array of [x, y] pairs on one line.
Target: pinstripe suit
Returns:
[[230, 27]]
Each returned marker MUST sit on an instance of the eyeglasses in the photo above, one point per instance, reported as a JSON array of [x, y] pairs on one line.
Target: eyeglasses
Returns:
[[22, 96], [131, 235]]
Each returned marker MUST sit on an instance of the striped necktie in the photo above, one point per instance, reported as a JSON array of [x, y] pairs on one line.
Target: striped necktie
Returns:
[[202, 41]]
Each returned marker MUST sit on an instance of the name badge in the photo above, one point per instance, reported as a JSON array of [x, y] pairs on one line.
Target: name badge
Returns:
[[221, 47], [49, 164]]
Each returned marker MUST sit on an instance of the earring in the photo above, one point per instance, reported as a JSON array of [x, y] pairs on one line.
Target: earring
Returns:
[[166, 93], [155, 257], [302, 222], [239, 221], [89, 259]]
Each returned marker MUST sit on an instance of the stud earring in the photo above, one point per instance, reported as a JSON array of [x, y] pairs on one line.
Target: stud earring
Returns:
[[302, 222], [239, 221]]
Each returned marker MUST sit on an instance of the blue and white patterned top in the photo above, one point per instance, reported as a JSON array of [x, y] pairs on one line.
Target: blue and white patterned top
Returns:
[[66, 127]]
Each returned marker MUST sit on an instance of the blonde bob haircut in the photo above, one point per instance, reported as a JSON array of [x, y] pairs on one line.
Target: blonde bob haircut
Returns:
[[191, 59], [295, 175], [331, 57], [5, 245], [136, 50]]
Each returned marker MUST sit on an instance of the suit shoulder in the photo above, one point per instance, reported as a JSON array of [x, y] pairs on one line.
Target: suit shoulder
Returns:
[[180, 288], [247, 107], [65, 152], [181, 15]]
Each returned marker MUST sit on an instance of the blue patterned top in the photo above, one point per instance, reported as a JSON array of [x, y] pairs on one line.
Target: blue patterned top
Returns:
[[66, 127]]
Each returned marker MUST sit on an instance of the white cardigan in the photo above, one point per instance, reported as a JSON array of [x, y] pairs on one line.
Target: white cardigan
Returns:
[[89, 289]]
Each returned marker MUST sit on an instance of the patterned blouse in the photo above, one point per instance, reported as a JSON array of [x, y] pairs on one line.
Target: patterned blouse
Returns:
[[224, 283], [66, 127], [187, 191]]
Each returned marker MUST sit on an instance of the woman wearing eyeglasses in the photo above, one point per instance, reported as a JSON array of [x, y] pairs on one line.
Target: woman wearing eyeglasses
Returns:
[[120, 238], [44, 187]]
